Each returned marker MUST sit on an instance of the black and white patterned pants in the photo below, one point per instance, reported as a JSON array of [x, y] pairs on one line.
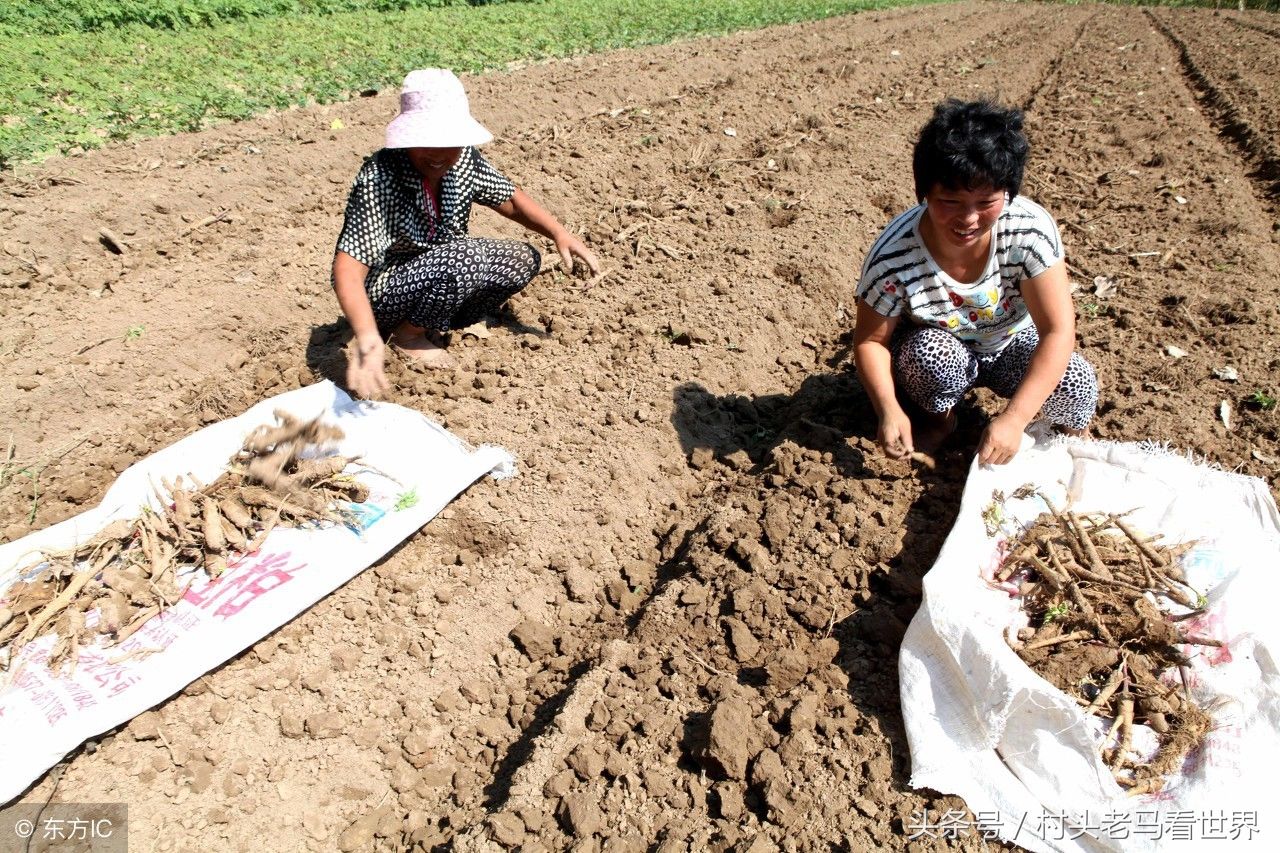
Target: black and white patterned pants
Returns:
[[935, 369], [452, 285]]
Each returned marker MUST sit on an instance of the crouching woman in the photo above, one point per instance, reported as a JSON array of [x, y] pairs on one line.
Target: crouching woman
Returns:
[[405, 268], [969, 288]]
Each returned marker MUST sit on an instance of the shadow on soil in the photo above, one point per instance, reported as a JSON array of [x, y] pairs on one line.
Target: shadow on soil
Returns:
[[826, 410], [327, 351], [830, 413], [498, 791]]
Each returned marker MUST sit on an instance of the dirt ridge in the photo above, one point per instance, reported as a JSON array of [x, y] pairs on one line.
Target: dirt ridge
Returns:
[[1257, 147], [1255, 26]]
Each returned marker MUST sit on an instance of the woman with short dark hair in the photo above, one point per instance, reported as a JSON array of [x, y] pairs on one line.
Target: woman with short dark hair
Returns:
[[978, 272]]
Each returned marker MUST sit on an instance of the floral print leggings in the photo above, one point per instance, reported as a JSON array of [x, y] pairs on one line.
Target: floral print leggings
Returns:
[[454, 284], [935, 369]]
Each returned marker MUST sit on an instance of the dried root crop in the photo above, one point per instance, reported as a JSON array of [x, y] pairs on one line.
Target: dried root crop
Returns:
[[1091, 586], [284, 475]]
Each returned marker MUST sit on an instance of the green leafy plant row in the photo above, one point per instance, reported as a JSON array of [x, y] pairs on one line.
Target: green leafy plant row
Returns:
[[81, 90], [57, 17]]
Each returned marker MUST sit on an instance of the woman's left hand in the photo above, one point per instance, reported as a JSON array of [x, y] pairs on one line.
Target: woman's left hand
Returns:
[[571, 247], [1001, 440], [524, 210]]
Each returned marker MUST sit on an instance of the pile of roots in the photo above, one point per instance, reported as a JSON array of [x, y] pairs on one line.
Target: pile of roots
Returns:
[[1091, 585], [110, 585]]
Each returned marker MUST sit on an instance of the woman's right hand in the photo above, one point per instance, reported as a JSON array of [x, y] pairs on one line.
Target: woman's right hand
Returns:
[[872, 333], [366, 374], [895, 434]]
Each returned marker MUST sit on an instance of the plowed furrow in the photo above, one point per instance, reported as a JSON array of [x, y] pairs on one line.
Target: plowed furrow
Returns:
[[1256, 26], [1235, 119], [1151, 201]]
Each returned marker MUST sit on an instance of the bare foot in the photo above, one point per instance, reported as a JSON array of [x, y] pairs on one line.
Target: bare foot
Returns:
[[933, 431], [422, 347]]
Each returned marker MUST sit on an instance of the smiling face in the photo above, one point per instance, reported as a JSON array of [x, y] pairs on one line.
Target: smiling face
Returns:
[[432, 163], [958, 222]]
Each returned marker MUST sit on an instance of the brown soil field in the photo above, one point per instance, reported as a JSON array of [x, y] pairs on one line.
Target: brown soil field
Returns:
[[677, 628]]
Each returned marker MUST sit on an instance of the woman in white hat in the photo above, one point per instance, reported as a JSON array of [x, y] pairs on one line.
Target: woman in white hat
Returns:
[[404, 266]]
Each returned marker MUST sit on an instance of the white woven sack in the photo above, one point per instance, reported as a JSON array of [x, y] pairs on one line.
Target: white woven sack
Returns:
[[44, 715], [1021, 753]]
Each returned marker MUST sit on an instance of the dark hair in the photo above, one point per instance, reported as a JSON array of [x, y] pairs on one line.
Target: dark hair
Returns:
[[970, 145]]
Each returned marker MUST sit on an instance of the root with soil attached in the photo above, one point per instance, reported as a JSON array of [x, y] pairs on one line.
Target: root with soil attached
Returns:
[[132, 570], [1090, 586]]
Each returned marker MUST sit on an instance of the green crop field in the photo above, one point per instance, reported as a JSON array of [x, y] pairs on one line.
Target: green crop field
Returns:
[[83, 73], [75, 74], [55, 17]]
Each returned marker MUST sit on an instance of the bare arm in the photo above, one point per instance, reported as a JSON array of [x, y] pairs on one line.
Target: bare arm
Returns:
[[1048, 298], [523, 209], [871, 335], [365, 374], [348, 283]]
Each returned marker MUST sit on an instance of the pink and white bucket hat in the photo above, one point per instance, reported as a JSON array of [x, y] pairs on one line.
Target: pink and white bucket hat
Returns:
[[434, 113]]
